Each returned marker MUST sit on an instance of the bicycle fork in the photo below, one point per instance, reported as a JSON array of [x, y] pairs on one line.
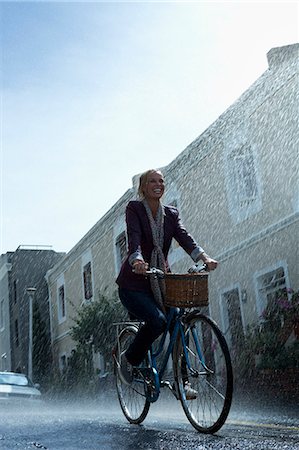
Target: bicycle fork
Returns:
[[198, 355]]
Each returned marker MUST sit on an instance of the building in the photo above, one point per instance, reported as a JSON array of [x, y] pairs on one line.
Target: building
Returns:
[[19, 270], [5, 354], [237, 189]]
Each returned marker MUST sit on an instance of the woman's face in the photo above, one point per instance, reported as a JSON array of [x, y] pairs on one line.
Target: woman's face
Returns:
[[154, 186]]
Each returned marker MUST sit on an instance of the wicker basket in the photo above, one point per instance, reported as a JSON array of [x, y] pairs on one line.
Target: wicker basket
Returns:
[[186, 290]]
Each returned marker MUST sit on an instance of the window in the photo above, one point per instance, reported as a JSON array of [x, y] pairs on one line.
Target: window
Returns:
[[2, 322], [243, 186], [244, 177], [17, 333], [87, 280], [268, 284], [232, 320], [15, 291], [121, 248], [61, 302]]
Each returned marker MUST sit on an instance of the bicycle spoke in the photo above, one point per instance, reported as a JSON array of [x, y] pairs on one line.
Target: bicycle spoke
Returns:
[[216, 390], [199, 360]]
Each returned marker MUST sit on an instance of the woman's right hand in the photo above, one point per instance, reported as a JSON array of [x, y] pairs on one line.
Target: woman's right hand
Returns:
[[140, 267]]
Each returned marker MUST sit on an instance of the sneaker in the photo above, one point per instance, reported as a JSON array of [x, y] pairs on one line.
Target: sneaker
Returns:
[[191, 394], [126, 369]]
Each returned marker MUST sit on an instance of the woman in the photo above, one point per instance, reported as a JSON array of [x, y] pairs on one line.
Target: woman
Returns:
[[151, 227]]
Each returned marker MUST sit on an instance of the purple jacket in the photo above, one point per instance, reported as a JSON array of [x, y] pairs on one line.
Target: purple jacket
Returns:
[[140, 243]]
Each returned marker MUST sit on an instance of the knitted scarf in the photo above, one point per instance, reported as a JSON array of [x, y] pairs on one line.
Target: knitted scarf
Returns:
[[157, 256]]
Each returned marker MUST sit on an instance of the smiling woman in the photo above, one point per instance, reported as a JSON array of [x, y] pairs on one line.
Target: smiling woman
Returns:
[[151, 226], [151, 184]]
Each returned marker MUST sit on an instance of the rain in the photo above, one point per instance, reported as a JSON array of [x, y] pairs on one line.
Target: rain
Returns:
[[235, 186]]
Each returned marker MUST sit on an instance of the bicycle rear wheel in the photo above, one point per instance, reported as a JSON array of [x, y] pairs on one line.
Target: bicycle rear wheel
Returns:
[[210, 373], [132, 398]]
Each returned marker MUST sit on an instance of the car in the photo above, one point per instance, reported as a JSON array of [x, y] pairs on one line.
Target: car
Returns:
[[17, 386]]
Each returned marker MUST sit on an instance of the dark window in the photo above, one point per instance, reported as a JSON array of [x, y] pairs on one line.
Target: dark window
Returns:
[[87, 281], [17, 332], [15, 291], [2, 320], [61, 301]]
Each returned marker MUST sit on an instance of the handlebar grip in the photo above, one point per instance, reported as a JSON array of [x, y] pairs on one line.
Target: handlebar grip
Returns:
[[196, 268], [155, 271]]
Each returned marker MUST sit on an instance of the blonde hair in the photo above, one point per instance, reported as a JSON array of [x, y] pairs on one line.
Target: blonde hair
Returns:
[[143, 180]]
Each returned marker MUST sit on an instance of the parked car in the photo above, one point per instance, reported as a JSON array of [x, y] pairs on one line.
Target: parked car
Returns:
[[17, 386]]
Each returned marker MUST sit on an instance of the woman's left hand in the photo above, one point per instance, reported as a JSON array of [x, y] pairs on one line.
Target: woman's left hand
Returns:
[[210, 262]]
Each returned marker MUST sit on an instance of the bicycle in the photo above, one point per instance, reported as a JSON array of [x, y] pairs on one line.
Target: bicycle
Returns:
[[199, 352]]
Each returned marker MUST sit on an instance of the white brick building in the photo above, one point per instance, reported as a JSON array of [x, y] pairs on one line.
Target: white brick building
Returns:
[[237, 188]]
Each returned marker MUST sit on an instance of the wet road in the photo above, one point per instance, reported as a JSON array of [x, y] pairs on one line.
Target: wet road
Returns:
[[100, 425]]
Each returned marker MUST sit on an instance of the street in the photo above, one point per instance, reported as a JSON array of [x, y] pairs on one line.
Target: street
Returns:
[[100, 425]]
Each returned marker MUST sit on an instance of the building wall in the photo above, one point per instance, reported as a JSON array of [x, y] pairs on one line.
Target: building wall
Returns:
[[29, 267], [237, 189], [5, 353], [24, 268]]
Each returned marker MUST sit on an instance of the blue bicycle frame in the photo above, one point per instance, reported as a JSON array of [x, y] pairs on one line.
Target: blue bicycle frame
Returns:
[[178, 328]]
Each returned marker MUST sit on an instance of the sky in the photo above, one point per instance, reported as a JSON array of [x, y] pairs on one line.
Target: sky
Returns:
[[93, 93]]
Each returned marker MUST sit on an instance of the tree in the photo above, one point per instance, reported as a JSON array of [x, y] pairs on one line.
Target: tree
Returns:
[[94, 324]]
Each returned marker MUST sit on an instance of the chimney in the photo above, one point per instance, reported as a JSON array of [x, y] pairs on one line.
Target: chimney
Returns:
[[281, 55]]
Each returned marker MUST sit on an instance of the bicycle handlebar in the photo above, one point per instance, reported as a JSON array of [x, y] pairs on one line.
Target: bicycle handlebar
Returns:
[[194, 269], [155, 271]]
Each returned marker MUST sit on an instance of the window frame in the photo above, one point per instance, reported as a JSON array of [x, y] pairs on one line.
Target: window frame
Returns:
[[261, 300], [243, 181]]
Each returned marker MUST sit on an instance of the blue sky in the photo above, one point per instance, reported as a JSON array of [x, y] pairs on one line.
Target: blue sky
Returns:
[[94, 93]]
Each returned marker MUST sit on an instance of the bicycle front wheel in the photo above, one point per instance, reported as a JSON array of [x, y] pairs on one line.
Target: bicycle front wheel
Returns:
[[132, 398], [205, 363]]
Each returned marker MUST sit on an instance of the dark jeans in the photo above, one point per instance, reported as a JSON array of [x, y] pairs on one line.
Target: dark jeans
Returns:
[[143, 306]]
